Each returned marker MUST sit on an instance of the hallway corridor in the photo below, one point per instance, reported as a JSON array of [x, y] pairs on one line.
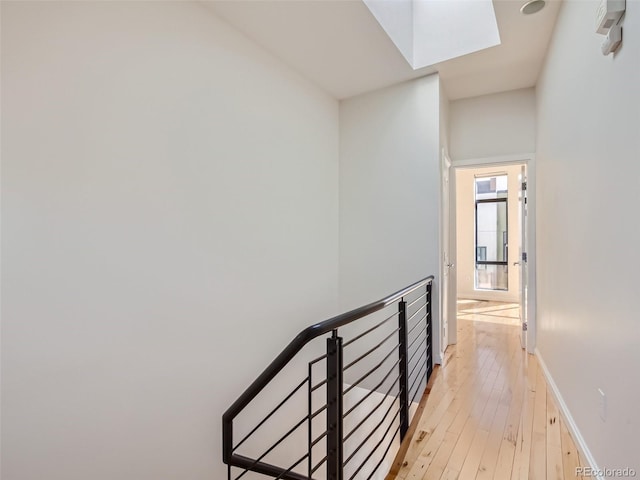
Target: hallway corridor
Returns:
[[490, 415]]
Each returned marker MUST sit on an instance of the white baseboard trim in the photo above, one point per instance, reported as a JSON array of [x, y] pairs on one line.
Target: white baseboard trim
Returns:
[[566, 414]]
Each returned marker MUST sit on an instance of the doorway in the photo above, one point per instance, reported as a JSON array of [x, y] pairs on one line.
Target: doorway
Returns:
[[492, 224], [487, 237]]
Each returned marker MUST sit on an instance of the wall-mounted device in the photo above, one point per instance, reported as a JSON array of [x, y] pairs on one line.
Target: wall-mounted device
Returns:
[[608, 18], [609, 12], [613, 40]]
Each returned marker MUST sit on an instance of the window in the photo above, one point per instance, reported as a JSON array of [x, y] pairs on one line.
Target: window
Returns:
[[491, 260]]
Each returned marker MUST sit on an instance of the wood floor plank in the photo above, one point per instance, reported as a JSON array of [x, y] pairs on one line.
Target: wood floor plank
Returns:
[[507, 449], [554, 445], [449, 474], [472, 460], [488, 462], [570, 458], [521, 459], [430, 449], [440, 460], [538, 464]]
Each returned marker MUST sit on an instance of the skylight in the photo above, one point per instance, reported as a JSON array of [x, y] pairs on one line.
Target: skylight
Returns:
[[432, 31]]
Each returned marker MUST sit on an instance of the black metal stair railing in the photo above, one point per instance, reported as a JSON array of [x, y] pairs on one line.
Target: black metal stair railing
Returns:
[[353, 404]]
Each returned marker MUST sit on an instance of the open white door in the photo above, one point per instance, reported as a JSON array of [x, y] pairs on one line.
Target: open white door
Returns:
[[449, 293], [524, 273]]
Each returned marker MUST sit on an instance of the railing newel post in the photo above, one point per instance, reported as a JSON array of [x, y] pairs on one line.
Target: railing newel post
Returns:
[[310, 421], [334, 407], [403, 352]]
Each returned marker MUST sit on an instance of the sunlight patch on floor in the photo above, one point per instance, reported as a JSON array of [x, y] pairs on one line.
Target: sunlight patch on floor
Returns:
[[487, 311]]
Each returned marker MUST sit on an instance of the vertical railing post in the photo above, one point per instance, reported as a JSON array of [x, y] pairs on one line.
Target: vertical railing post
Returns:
[[227, 442], [310, 420], [403, 353], [334, 407], [429, 358]]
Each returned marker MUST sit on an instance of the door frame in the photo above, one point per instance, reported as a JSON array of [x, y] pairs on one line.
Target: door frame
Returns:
[[516, 159], [447, 293]]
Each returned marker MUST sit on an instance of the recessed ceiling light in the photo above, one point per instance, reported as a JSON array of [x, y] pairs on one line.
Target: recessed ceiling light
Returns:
[[532, 6]]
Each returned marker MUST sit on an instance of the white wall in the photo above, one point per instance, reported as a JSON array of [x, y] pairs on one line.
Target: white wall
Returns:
[[389, 190], [169, 204], [465, 220], [588, 234], [493, 125]]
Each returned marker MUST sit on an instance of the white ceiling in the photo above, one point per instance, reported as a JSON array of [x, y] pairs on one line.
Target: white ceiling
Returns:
[[339, 45]]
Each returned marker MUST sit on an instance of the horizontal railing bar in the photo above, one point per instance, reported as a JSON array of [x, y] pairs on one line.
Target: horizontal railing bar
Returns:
[[241, 461], [315, 442], [357, 404], [395, 314], [271, 413], [373, 410], [292, 466], [413, 355], [304, 337], [316, 360], [364, 442], [415, 394], [377, 445], [416, 324], [416, 312], [371, 350], [321, 384], [384, 455], [315, 469], [416, 379], [272, 447], [424, 352], [318, 412], [361, 379], [419, 334], [412, 303]]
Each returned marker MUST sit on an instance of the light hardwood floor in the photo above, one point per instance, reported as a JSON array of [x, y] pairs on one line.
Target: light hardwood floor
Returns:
[[489, 415]]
